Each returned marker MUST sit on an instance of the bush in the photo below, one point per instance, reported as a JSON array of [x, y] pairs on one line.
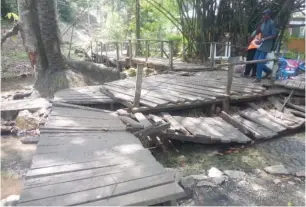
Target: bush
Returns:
[[177, 42], [65, 11]]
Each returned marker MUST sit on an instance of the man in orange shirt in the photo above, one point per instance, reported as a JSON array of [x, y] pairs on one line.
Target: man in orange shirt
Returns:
[[251, 50]]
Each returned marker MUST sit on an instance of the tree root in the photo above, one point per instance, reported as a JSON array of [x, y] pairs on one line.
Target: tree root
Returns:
[[49, 82]]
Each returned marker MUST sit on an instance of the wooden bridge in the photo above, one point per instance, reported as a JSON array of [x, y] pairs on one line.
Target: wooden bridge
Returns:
[[85, 157]]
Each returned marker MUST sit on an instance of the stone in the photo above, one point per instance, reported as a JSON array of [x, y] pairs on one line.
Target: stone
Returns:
[[214, 172], [242, 183], [291, 183], [177, 174], [26, 120], [235, 174], [187, 182], [199, 177], [277, 170], [41, 112], [211, 181], [123, 112], [300, 173], [10, 200], [256, 171], [277, 181]]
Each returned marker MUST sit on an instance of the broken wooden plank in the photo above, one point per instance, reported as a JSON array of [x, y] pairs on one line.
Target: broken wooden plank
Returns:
[[175, 124], [256, 131], [190, 138], [152, 130], [131, 123], [259, 119], [156, 119], [142, 119], [287, 100], [226, 117]]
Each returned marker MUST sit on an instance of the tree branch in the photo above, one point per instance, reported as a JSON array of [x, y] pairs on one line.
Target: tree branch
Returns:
[[10, 33]]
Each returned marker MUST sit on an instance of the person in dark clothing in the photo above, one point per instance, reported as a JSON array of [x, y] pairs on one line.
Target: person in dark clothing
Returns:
[[251, 50]]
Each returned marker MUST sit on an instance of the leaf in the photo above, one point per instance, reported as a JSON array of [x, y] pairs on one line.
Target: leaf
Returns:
[[289, 203], [14, 38], [9, 15]]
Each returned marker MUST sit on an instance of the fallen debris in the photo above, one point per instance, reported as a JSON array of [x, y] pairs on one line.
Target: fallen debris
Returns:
[[131, 124], [26, 120], [277, 170], [29, 140]]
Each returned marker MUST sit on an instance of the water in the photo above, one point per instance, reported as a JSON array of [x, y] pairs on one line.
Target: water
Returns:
[[289, 151]]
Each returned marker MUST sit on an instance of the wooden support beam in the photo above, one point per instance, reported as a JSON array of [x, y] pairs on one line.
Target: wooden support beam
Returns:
[[286, 100], [138, 85], [147, 52], [212, 58], [106, 49], [117, 55], [130, 52], [229, 80], [171, 55], [101, 52], [71, 40], [161, 49]]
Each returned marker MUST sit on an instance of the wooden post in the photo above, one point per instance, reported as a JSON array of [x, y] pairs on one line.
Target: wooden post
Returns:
[[117, 54], [137, 27], [171, 55], [91, 49], [147, 52], [286, 100], [101, 52], [138, 85], [130, 52], [70, 40], [228, 88], [161, 49], [106, 49], [212, 58]]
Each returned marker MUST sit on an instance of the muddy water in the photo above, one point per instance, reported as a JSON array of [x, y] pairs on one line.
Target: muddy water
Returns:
[[288, 150]]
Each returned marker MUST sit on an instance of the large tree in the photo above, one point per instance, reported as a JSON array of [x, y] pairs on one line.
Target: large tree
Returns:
[[39, 31]]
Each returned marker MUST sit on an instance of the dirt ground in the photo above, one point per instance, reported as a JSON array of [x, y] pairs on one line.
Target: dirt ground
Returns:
[[15, 162]]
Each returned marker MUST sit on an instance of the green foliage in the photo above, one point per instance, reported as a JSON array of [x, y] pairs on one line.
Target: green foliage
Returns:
[[8, 6], [65, 10], [293, 55], [12, 16], [177, 42]]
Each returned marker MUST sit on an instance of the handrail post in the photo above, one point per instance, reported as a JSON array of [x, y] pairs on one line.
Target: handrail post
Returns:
[[117, 54], [91, 53], [212, 58], [161, 49], [147, 52], [138, 85], [106, 49], [130, 52], [230, 73], [171, 54], [101, 52]]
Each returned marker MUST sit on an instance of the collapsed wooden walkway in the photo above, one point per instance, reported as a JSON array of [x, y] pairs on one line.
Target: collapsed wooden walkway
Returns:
[[85, 157], [172, 91]]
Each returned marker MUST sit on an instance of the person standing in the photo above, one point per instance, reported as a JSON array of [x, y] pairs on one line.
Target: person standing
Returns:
[[268, 33], [251, 50]]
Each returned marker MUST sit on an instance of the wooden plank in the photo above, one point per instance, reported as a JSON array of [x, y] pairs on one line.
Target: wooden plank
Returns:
[[232, 133], [140, 157], [130, 122], [175, 124], [25, 104], [190, 138], [142, 119], [114, 154], [139, 75], [201, 129], [275, 102], [151, 130], [256, 131], [259, 119], [147, 197], [226, 117], [85, 183], [99, 193]]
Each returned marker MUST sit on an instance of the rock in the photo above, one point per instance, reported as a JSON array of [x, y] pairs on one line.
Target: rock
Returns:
[[235, 174], [123, 75], [214, 172], [211, 181], [256, 171], [277, 181], [122, 112], [10, 200], [199, 177], [177, 174], [26, 120], [41, 112], [29, 140], [242, 183], [291, 183], [277, 170], [21, 95], [5, 130], [187, 182], [300, 173]]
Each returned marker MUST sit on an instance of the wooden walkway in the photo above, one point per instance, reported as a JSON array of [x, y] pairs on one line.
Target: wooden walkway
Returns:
[[298, 83], [85, 157], [172, 91]]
